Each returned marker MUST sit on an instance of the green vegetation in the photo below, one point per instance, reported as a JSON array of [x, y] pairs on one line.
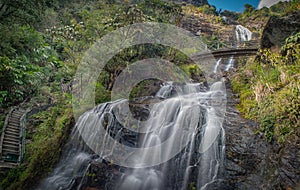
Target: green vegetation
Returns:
[[280, 9], [42, 42], [269, 89], [261, 16], [40, 48], [206, 9], [248, 10], [48, 134]]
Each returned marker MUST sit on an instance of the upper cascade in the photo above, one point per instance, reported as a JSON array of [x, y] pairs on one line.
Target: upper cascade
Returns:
[[243, 34]]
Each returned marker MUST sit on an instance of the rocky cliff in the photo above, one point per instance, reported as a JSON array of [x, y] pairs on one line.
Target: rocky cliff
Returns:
[[279, 28]]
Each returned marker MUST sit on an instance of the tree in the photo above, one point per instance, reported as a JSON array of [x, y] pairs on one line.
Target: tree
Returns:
[[248, 9], [26, 11], [230, 14]]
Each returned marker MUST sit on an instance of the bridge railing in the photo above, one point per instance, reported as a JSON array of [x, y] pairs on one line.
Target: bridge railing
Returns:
[[218, 45]]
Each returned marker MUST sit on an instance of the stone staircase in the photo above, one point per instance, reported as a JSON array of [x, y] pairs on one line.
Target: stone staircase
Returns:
[[12, 139]]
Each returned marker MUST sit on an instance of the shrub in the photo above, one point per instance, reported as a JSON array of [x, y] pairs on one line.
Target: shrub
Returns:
[[274, 79]]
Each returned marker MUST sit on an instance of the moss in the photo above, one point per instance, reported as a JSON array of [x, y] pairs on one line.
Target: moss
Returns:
[[193, 72], [192, 186], [145, 88]]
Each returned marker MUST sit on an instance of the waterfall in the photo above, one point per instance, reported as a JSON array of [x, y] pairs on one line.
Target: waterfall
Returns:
[[224, 65], [242, 34], [196, 114], [183, 133], [229, 64], [217, 65]]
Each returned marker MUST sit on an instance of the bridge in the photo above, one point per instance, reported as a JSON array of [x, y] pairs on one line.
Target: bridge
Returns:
[[220, 53]]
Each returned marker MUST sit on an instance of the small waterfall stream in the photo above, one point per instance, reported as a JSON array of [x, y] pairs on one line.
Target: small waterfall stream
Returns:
[[188, 117], [229, 64], [243, 34], [217, 66], [224, 65]]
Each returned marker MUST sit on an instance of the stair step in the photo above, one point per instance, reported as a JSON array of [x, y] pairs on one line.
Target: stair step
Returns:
[[16, 140], [18, 111], [14, 124], [12, 136], [17, 121], [13, 130], [12, 133], [9, 142], [5, 151], [11, 147], [16, 117], [13, 127]]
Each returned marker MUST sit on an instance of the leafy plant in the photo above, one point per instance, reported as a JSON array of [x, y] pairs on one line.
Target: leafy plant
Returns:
[[269, 91]]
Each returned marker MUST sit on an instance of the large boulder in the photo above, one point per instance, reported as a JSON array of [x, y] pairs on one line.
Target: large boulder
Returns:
[[279, 28]]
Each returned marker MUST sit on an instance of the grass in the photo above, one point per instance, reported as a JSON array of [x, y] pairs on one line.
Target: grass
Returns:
[[269, 89]]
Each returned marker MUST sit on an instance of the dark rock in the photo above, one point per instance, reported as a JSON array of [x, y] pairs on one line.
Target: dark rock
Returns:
[[100, 175], [279, 28], [251, 162]]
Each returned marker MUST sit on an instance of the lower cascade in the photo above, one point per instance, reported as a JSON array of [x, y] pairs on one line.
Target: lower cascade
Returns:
[[174, 140]]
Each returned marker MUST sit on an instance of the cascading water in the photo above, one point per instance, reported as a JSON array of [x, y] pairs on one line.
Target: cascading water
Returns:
[[229, 64], [188, 117], [217, 65], [200, 160], [242, 34], [223, 65]]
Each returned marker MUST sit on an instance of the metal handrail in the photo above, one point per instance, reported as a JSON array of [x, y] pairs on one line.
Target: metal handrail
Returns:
[[23, 135]]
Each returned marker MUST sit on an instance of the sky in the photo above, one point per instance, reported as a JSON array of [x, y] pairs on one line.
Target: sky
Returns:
[[233, 5]]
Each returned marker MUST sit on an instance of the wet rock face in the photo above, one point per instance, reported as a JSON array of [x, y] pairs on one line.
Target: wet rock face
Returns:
[[253, 163], [287, 160], [100, 175], [250, 161], [279, 28]]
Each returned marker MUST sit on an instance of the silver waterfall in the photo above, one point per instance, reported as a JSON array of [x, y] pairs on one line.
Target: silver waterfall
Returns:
[[183, 127]]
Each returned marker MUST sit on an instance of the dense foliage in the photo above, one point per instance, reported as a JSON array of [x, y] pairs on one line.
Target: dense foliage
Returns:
[[39, 55], [42, 42], [269, 90], [256, 19]]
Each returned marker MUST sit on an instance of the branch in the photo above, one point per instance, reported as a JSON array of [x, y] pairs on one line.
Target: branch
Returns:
[[6, 12], [2, 6]]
